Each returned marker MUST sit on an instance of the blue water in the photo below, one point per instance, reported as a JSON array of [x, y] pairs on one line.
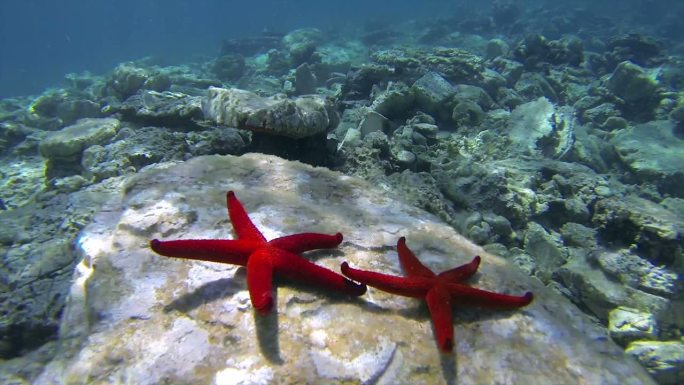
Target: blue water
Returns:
[[40, 41], [587, 190]]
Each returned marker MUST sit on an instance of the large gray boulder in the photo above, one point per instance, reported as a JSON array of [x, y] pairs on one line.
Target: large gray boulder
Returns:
[[296, 118], [137, 317]]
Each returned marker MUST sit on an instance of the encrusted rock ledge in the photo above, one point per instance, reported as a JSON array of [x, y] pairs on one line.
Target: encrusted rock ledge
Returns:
[[136, 317]]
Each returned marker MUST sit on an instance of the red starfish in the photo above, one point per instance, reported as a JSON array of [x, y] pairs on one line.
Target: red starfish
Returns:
[[262, 257], [438, 290]]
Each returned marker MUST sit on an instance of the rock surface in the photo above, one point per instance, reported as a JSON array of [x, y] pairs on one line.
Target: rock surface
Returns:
[[627, 325], [161, 108], [136, 317], [540, 126], [38, 259], [72, 140], [295, 118], [664, 359], [653, 152]]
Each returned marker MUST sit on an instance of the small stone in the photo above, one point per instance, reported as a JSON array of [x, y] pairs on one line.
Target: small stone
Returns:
[[229, 66], [496, 48], [480, 233], [426, 129], [500, 225], [631, 83], [69, 184], [603, 191], [406, 158], [352, 138], [373, 122], [577, 235], [547, 247], [615, 123], [467, 113], [663, 359], [432, 92], [305, 80], [393, 101], [626, 325]]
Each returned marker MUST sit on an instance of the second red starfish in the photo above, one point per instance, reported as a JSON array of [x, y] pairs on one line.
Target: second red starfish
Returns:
[[440, 291], [262, 257]]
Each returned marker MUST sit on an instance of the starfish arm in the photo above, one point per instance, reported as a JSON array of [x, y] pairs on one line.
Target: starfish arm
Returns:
[[298, 268], [410, 263], [299, 243], [470, 295], [439, 303], [260, 280], [243, 226], [211, 250], [409, 287], [461, 273]]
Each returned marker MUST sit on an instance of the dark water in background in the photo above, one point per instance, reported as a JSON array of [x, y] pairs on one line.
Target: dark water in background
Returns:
[[40, 41]]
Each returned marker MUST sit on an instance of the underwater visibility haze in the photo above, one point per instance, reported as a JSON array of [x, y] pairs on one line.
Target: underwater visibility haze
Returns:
[[325, 192], [42, 40]]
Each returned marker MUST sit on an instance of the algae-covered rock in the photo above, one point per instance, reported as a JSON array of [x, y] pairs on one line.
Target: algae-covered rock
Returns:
[[229, 66], [305, 80], [636, 48], [547, 246], [467, 113], [394, 101], [72, 140], [595, 291], [295, 118], [632, 220], [654, 153], [432, 92], [535, 50], [149, 319], [360, 81], [511, 70], [171, 109], [128, 78], [67, 106], [626, 325], [301, 44], [632, 84], [639, 273], [38, 259], [663, 359], [454, 64], [533, 85]]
